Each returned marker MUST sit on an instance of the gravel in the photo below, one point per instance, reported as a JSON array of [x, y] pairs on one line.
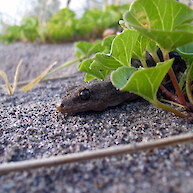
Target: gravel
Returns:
[[32, 128]]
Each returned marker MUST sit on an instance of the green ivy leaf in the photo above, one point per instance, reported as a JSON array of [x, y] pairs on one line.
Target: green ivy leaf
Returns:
[[85, 66], [96, 47], [186, 52], [152, 49], [167, 22], [121, 52], [104, 62], [140, 49], [106, 43], [122, 75], [144, 82], [85, 49], [122, 47], [89, 77], [82, 48]]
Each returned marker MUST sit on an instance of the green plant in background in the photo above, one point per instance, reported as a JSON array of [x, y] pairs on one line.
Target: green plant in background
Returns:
[[61, 26], [28, 30], [65, 26], [93, 22], [148, 24], [13, 34]]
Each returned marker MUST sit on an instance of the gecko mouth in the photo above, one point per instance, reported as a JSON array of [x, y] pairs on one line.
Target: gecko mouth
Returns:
[[70, 110], [65, 110], [59, 108], [80, 108]]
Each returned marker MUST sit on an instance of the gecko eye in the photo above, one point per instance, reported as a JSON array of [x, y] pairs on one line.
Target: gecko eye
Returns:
[[84, 94]]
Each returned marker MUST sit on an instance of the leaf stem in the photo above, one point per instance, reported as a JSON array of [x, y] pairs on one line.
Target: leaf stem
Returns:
[[168, 94], [63, 66], [188, 86], [172, 97], [168, 108], [175, 83], [144, 63]]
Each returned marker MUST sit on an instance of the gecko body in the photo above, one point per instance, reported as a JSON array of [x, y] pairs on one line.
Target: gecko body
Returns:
[[93, 96]]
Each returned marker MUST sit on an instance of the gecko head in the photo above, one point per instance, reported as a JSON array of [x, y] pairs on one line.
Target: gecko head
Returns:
[[93, 96], [79, 100]]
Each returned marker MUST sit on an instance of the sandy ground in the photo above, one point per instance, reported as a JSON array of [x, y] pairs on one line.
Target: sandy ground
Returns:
[[32, 128], [36, 58]]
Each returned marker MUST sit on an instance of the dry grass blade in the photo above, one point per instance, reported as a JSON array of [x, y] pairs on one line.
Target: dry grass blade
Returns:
[[38, 79], [4, 76], [63, 66], [16, 75], [171, 102]]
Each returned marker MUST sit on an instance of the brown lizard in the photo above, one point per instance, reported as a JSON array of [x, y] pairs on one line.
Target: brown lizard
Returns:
[[93, 96]]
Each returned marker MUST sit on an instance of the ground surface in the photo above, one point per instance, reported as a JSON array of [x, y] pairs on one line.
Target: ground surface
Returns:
[[31, 128]]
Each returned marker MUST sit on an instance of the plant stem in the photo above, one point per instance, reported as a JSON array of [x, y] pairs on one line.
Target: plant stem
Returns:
[[95, 154], [188, 87], [144, 63], [63, 66], [175, 83], [168, 108], [170, 95], [173, 97]]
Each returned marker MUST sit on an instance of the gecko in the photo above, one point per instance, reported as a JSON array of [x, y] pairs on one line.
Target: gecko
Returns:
[[93, 96]]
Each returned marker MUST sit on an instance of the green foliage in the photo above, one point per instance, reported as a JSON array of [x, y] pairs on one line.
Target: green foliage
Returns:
[[65, 26], [118, 9], [144, 82], [28, 30], [166, 23], [61, 26], [121, 51], [86, 49], [13, 34], [94, 22], [187, 52]]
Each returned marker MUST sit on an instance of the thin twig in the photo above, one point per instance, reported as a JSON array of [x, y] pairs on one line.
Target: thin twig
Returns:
[[176, 86], [22, 83], [175, 83], [63, 66], [38, 79], [174, 98], [88, 155], [169, 94]]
